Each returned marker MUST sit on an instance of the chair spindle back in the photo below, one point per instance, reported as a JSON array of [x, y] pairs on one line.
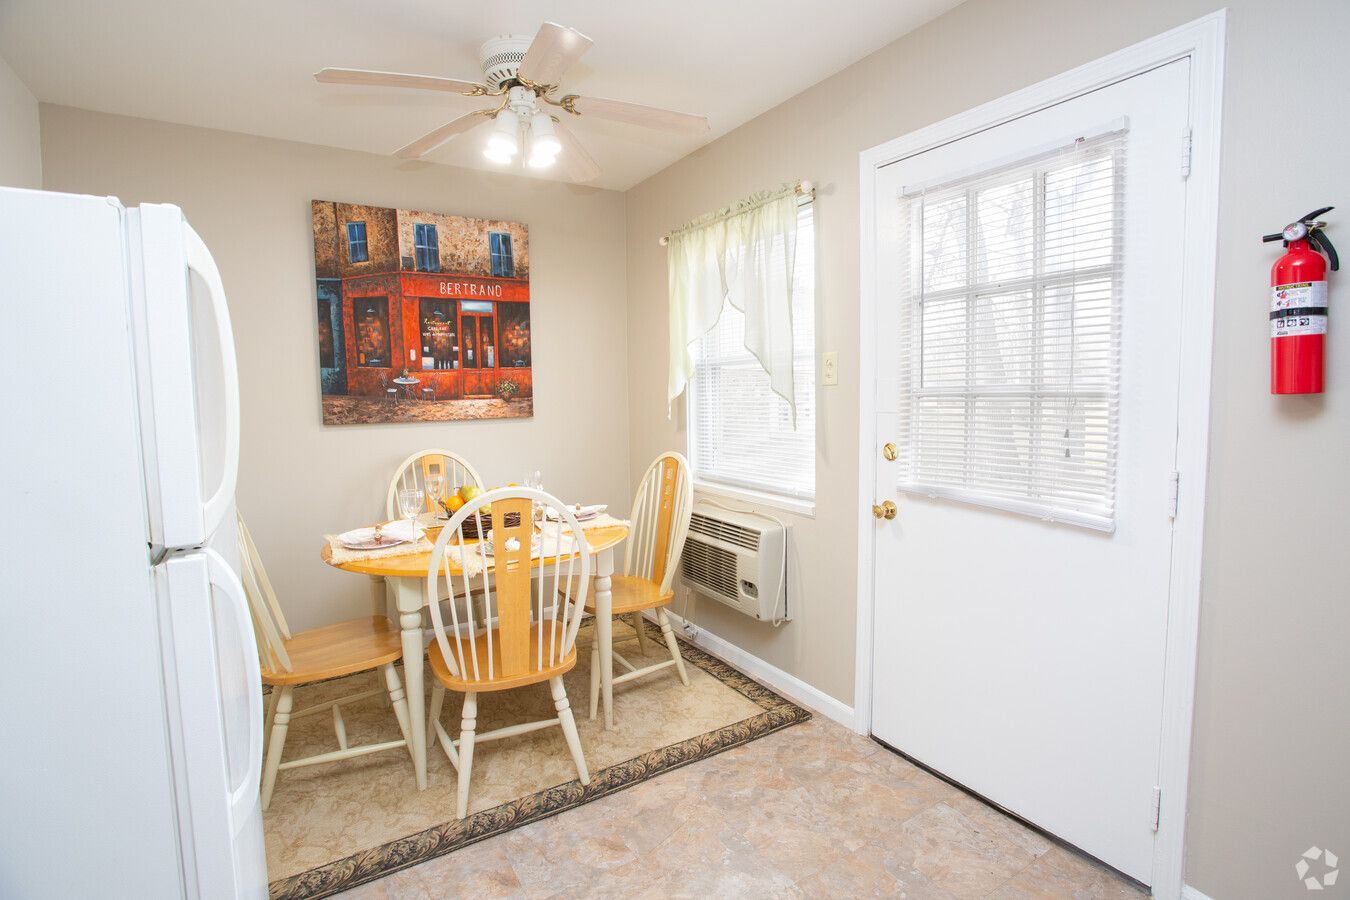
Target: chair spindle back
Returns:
[[661, 512], [534, 619], [413, 472], [270, 630]]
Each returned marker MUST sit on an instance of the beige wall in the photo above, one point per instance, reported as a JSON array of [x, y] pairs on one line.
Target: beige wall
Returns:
[[20, 143], [250, 200], [1273, 719]]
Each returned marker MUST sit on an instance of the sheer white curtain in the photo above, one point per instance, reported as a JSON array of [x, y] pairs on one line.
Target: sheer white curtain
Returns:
[[742, 255]]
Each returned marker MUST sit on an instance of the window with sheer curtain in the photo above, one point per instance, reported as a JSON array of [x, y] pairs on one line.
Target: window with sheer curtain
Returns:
[[741, 431], [1010, 344]]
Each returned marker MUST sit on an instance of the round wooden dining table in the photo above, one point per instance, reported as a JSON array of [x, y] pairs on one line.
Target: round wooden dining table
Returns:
[[400, 584]]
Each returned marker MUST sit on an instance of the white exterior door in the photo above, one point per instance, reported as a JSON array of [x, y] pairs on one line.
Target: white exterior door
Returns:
[[1021, 591]]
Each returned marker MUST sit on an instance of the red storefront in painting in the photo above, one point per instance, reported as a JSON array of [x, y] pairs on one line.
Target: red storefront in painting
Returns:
[[458, 334], [433, 314]]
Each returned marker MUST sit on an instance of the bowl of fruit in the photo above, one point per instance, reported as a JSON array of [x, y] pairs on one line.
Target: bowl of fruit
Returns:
[[466, 495]]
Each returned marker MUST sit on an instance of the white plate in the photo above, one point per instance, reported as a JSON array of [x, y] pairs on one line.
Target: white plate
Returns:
[[371, 544], [392, 534], [583, 514]]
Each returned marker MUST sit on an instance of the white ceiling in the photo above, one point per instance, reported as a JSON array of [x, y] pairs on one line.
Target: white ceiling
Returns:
[[246, 65]]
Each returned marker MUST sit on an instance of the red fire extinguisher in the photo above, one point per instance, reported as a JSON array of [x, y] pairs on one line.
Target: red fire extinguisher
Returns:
[[1298, 306]]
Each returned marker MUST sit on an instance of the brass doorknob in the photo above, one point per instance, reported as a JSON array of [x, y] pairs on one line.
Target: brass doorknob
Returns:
[[883, 510], [890, 451]]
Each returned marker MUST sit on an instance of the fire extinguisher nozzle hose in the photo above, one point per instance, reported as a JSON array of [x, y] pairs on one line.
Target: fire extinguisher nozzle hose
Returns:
[[1319, 241]]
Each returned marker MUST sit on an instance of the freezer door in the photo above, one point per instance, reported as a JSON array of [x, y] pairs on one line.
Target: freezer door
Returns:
[[87, 805], [188, 383], [215, 703]]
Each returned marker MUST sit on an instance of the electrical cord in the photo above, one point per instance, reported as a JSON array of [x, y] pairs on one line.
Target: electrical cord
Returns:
[[781, 590]]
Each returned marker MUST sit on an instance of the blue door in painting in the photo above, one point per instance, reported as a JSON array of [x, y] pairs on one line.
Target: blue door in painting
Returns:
[[332, 353]]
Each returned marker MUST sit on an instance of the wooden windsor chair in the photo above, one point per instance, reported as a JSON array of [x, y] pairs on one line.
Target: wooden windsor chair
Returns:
[[526, 633], [454, 469], [288, 660], [661, 512], [455, 472]]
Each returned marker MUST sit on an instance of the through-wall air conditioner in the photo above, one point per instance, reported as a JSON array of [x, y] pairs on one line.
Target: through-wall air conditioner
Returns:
[[738, 559]]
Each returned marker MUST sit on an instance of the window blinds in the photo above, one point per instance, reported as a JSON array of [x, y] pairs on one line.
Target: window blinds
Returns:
[[1010, 343], [740, 430]]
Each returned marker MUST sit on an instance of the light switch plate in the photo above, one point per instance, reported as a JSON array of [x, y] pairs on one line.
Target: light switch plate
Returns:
[[829, 368]]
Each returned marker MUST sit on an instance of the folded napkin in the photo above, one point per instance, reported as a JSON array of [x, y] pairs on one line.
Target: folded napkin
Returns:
[[604, 520], [397, 530]]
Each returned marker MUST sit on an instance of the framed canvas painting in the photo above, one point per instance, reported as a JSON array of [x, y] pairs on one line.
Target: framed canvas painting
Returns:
[[421, 316]]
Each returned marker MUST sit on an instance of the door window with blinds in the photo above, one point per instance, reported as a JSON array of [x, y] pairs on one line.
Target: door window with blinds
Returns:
[[1010, 343], [741, 432]]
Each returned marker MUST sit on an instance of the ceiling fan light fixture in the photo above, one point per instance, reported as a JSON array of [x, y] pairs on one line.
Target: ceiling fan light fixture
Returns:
[[543, 140], [524, 72], [502, 144]]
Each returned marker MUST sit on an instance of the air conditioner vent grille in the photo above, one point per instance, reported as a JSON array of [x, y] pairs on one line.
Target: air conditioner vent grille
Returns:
[[710, 566], [724, 531]]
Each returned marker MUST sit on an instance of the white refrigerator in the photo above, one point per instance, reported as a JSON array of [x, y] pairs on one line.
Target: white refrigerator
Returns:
[[132, 715]]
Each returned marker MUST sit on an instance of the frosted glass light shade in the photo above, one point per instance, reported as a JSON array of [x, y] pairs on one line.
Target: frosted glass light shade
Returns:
[[502, 144]]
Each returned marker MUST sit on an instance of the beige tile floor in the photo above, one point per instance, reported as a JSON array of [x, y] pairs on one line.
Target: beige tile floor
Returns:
[[812, 811]]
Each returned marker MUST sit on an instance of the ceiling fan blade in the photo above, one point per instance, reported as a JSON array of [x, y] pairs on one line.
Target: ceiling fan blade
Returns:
[[637, 114], [433, 139], [398, 79], [580, 165], [555, 49]]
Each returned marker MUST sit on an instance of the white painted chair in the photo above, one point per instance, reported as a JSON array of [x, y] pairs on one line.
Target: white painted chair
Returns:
[[527, 632], [413, 472], [661, 513], [287, 660]]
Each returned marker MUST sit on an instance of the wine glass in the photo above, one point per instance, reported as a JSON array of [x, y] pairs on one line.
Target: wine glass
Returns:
[[410, 504], [434, 485], [535, 481]]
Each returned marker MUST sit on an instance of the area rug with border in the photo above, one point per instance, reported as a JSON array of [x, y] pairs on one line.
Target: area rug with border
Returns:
[[335, 826]]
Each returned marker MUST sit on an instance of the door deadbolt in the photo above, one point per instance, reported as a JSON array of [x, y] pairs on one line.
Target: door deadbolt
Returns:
[[883, 510]]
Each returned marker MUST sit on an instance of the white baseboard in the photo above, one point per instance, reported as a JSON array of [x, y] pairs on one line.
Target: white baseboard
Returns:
[[1190, 893], [789, 686]]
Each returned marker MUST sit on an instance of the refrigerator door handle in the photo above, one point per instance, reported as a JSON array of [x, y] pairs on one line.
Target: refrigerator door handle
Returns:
[[200, 261], [223, 577]]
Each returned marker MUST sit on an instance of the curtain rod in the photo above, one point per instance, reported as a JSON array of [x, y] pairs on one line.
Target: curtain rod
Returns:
[[804, 189]]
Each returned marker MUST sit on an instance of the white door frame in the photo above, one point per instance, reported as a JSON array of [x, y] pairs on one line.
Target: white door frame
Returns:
[[1203, 42]]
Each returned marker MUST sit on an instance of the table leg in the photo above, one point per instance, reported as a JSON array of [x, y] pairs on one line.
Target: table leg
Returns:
[[408, 597], [604, 631], [379, 597]]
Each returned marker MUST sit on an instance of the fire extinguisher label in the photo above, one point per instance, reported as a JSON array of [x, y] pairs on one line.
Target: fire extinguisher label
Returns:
[[1298, 309]]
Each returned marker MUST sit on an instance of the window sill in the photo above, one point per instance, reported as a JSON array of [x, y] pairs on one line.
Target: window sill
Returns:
[[794, 505]]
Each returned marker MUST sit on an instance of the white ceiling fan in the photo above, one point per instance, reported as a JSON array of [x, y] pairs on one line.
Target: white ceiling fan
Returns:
[[525, 75]]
